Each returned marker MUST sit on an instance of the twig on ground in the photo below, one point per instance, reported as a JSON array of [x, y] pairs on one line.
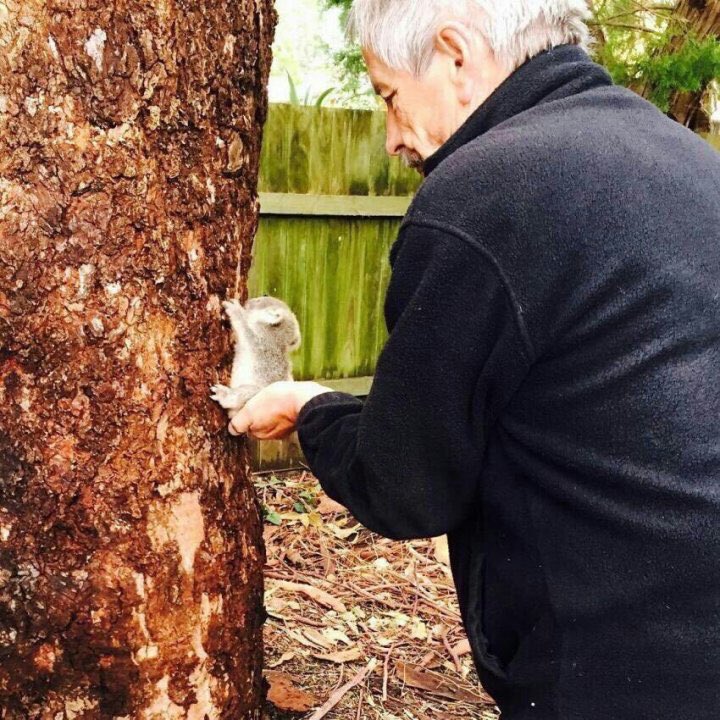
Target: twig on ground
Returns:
[[358, 715], [319, 596], [451, 651], [386, 666], [380, 601], [340, 693]]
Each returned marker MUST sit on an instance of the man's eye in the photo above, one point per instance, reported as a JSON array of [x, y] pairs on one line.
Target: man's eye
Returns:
[[389, 98]]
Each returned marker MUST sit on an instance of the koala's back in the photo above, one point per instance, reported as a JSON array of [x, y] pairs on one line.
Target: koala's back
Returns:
[[271, 363], [275, 333]]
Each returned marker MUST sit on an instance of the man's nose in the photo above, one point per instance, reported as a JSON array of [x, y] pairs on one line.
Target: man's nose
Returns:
[[393, 141]]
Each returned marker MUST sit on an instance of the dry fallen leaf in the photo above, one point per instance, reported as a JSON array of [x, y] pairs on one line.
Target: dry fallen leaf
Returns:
[[334, 636], [342, 656], [462, 648], [295, 557], [275, 606], [437, 684], [320, 596], [285, 695], [418, 629], [315, 636], [431, 660], [327, 506], [300, 638], [442, 552], [286, 657], [343, 533]]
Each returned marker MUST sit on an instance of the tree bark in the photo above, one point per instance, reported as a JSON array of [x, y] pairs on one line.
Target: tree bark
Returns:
[[130, 539]]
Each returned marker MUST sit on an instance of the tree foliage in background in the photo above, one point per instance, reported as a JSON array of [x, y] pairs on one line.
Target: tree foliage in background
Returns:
[[668, 51], [350, 61]]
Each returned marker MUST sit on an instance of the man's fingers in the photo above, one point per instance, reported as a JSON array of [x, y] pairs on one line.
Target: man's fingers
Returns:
[[272, 413], [263, 433], [241, 423]]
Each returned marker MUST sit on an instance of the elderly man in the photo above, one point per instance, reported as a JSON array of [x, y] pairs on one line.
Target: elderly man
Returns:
[[549, 395]]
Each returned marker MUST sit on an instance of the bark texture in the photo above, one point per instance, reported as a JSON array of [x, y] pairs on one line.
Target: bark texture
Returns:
[[130, 538]]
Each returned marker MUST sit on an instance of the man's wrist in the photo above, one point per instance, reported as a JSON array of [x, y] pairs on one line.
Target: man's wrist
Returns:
[[305, 392]]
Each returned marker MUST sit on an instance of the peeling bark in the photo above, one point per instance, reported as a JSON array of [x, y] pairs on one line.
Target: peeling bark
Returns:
[[130, 539]]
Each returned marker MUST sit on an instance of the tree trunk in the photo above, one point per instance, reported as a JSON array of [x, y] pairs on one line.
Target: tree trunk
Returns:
[[130, 538], [597, 33], [700, 18]]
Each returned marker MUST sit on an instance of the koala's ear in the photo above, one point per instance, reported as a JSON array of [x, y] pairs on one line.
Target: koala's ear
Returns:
[[271, 317]]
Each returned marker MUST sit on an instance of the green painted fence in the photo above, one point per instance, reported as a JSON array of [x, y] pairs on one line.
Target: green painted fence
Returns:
[[330, 152], [714, 140], [331, 205], [332, 202]]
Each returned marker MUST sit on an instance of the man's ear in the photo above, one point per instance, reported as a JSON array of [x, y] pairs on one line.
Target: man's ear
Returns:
[[455, 42]]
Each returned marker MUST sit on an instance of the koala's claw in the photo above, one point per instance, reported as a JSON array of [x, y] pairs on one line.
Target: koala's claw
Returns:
[[221, 394], [232, 307]]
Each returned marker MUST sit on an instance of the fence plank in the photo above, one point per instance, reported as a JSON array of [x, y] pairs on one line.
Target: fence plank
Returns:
[[333, 272], [330, 152], [333, 205], [713, 139], [332, 202]]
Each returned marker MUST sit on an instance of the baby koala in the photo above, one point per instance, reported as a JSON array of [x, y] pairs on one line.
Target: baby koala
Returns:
[[266, 332]]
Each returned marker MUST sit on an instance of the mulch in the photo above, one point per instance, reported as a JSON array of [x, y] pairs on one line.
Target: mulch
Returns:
[[359, 626]]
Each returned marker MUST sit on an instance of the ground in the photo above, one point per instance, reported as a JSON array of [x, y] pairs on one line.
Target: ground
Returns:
[[349, 608]]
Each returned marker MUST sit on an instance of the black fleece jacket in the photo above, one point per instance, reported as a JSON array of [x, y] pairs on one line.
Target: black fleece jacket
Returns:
[[550, 397]]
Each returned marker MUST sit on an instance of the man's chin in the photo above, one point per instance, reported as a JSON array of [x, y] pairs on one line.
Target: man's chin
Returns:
[[414, 161]]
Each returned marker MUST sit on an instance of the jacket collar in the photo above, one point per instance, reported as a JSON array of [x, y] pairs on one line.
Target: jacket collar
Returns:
[[554, 74]]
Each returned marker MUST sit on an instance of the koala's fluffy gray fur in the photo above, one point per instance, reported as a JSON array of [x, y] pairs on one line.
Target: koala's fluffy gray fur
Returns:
[[266, 332]]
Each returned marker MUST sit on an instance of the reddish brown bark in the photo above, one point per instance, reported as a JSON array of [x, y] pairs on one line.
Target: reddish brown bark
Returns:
[[130, 539]]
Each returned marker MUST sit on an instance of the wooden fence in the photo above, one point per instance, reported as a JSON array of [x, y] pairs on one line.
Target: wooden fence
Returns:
[[331, 205], [714, 140]]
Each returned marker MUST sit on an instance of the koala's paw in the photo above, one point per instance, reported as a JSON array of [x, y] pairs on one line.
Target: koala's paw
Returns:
[[224, 396], [232, 308]]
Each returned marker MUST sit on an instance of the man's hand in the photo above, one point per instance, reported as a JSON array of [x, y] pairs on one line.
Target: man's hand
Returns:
[[272, 413]]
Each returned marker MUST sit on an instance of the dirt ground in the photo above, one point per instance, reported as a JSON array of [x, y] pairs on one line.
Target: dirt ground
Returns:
[[359, 626]]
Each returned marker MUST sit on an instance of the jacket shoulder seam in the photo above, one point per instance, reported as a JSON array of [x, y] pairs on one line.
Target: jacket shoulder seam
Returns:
[[479, 247]]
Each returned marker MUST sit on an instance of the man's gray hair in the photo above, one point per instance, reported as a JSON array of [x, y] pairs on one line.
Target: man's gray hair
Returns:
[[401, 33]]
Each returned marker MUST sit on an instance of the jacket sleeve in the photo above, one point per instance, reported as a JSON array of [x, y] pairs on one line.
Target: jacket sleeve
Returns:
[[407, 463]]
